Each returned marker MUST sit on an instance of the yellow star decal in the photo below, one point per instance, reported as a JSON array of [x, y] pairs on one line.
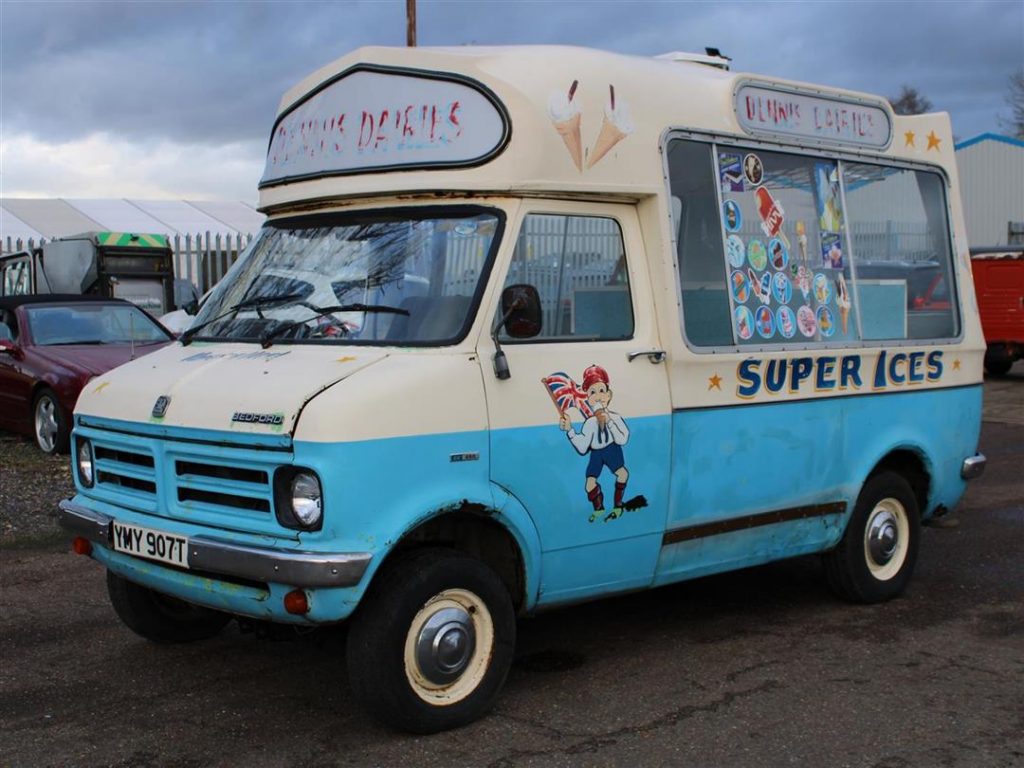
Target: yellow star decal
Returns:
[[956, 364], [715, 382], [933, 141], [345, 359], [909, 138], [101, 387]]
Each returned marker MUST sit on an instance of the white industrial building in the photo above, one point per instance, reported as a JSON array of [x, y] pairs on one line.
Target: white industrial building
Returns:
[[35, 219], [992, 187]]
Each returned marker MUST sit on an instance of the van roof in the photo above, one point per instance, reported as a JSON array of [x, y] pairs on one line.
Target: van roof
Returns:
[[577, 121]]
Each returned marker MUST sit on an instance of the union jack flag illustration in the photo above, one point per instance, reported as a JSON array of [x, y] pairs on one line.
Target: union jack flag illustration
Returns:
[[565, 394]]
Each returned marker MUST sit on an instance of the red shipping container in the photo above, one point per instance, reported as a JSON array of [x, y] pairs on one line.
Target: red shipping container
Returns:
[[999, 285]]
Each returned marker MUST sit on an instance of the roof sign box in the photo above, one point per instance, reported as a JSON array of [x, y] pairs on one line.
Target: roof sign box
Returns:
[[371, 119], [773, 111]]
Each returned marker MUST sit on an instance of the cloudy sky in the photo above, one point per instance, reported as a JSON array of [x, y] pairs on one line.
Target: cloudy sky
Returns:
[[176, 99]]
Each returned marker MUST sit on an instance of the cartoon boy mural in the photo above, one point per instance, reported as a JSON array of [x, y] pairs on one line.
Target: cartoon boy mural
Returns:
[[602, 435]]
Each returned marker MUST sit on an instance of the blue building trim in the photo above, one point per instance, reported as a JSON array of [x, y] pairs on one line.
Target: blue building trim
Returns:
[[989, 137]]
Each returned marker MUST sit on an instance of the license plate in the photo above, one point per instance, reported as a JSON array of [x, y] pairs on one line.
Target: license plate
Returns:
[[150, 544]]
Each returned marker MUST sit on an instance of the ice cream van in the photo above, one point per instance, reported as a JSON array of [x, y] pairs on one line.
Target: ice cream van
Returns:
[[531, 326]]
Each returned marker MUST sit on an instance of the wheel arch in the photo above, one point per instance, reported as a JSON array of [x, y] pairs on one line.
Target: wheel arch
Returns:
[[492, 536], [912, 464]]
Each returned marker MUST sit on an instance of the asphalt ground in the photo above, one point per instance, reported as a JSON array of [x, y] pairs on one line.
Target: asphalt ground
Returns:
[[761, 667]]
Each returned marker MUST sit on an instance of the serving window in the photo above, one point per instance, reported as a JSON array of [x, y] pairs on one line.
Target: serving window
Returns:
[[784, 248]]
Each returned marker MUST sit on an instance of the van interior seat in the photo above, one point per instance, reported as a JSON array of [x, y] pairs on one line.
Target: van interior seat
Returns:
[[431, 318]]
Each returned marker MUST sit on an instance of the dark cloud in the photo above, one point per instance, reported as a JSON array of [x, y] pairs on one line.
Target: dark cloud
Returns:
[[214, 72]]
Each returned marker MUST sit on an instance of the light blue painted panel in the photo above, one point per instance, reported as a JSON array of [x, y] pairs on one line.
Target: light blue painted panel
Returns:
[[544, 472], [759, 458]]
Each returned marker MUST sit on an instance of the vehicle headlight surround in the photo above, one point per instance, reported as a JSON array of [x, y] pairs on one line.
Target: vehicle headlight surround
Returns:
[[84, 462], [298, 497]]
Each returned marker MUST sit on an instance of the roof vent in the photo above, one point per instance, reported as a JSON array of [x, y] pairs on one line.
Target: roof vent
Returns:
[[711, 57]]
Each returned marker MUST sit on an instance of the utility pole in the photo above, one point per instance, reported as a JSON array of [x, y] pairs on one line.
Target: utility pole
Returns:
[[410, 23]]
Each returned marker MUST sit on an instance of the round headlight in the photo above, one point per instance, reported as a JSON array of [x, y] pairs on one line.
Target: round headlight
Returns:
[[85, 463], [307, 505]]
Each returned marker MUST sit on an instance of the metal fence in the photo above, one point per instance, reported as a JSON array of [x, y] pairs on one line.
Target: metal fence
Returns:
[[201, 258]]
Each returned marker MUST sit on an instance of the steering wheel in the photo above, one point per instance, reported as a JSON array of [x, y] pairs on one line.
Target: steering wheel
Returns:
[[325, 324]]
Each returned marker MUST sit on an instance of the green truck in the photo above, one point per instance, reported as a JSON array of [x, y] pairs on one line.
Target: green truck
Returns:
[[133, 266]]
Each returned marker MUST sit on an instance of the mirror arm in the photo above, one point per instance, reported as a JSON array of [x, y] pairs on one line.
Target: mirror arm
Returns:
[[500, 361]]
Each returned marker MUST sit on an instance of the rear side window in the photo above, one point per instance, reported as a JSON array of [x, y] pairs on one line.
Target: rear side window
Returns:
[[578, 266], [901, 241], [779, 248]]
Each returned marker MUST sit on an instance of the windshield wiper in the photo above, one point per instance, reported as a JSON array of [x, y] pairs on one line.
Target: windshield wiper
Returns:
[[267, 339], [255, 301]]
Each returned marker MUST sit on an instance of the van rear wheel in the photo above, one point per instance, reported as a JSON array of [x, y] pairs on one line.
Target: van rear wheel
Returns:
[[874, 560], [161, 618], [431, 646]]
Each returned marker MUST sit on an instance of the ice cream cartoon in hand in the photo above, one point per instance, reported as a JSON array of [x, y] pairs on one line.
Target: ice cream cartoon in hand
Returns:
[[843, 301], [601, 436]]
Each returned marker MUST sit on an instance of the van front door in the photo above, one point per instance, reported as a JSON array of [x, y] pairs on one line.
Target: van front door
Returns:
[[580, 430]]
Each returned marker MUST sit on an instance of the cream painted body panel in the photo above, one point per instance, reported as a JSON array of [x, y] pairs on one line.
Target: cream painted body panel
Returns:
[[662, 96], [208, 383], [526, 404], [412, 392]]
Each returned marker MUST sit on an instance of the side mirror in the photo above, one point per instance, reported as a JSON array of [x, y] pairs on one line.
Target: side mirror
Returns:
[[10, 348], [520, 317], [520, 308]]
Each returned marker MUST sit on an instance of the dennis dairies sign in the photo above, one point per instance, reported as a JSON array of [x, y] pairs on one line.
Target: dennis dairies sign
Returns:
[[775, 111], [374, 119]]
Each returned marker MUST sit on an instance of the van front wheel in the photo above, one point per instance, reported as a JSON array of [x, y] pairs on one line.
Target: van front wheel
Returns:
[[432, 644], [874, 560]]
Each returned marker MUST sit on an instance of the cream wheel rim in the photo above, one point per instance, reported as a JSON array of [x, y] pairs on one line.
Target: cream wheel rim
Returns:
[[448, 647], [886, 539]]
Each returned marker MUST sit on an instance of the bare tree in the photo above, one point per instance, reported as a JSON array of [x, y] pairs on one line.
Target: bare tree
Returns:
[[910, 102], [1015, 98]]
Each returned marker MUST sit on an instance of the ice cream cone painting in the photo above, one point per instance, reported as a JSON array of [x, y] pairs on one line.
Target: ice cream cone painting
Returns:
[[616, 126], [565, 116]]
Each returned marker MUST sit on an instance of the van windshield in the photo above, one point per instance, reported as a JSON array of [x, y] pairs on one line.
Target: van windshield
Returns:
[[398, 277]]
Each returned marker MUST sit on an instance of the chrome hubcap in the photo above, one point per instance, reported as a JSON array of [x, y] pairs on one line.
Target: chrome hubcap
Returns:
[[46, 424], [445, 645], [883, 537], [886, 539]]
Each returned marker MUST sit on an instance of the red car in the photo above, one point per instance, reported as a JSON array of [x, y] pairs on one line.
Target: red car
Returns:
[[52, 345]]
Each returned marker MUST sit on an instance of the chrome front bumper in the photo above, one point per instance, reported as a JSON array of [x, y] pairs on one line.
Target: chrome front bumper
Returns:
[[296, 569], [973, 466]]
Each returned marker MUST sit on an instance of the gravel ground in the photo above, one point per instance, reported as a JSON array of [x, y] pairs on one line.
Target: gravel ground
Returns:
[[31, 484]]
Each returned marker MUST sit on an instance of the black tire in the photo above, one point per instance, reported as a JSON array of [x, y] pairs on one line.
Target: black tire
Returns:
[[160, 618], [49, 427], [857, 569], [998, 365], [400, 599]]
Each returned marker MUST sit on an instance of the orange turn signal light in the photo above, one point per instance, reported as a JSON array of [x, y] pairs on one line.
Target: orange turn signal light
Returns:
[[296, 602], [81, 546]]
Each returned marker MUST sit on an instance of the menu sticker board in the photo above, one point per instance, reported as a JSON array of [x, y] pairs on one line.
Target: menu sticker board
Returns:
[[374, 120], [786, 249], [834, 119]]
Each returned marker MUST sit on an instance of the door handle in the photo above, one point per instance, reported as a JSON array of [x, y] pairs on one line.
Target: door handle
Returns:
[[653, 355]]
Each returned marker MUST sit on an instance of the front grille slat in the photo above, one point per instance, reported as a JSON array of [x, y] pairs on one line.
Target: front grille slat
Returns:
[[125, 470], [216, 499], [197, 483]]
